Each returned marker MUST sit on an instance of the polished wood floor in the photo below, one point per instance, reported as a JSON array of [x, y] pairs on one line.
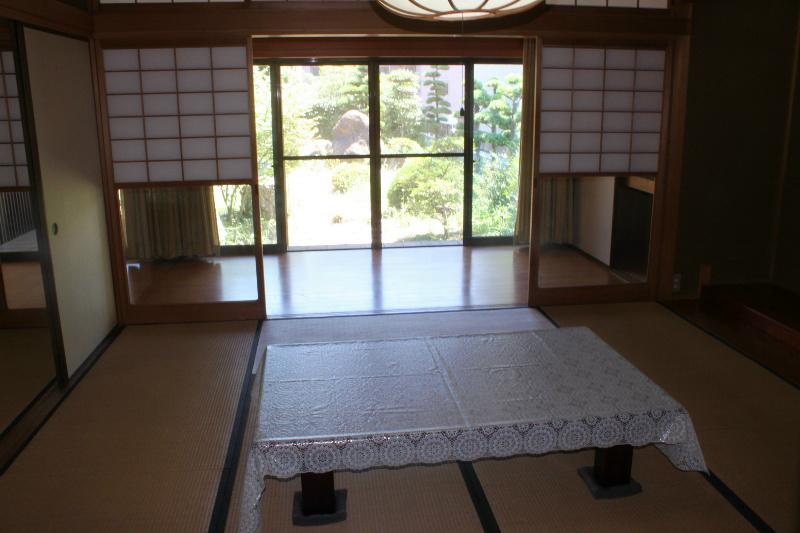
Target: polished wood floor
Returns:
[[342, 282]]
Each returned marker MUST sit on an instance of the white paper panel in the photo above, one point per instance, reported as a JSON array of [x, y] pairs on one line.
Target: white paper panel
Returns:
[[645, 142], [165, 171], [199, 126], [124, 106], [233, 146], [200, 170], [23, 179], [583, 122], [194, 81], [7, 177], [161, 127], [233, 125], [163, 149], [157, 58], [601, 97], [190, 58], [128, 150], [585, 163], [644, 162], [588, 101], [6, 155], [555, 121], [121, 60], [590, 58], [16, 131], [556, 79], [554, 142], [616, 142], [588, 79], [554, 163], [19, 153], [5, 132], [231, 102], [230, 80], [10, 86], [13, 109], [199, 148], [615, 163], [159, 81], [556, 100], [130, 172], [197, 104], [122, 82], [229, 57], [586, 143], [235, 169], [618, 101], [126, 128], [160, 104]]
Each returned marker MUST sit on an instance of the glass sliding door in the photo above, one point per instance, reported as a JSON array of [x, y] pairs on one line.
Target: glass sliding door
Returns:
[[388, 153], [422, 153], [326, 147], [497, 119]]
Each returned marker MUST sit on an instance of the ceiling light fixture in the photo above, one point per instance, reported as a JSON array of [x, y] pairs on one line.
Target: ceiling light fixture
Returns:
[[457, 9]]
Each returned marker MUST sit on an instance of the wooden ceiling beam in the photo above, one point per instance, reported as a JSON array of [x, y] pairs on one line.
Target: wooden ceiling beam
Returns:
[[227, 22], [50, 15]]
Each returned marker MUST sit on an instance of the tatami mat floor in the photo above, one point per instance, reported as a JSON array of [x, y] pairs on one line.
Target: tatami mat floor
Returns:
[[140, 444], [747, 419]]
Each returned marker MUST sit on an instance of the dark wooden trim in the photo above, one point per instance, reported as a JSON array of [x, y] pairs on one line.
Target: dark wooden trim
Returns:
[[376, 210], [468, 118], [785, 157], [182, 23], [478, 496], [51, 15], [227, 481], [667, 198], [23, 318], [18, 436], [367, 47]]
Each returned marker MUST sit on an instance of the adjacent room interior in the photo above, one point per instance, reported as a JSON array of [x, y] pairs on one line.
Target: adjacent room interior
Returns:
[[399, 265]]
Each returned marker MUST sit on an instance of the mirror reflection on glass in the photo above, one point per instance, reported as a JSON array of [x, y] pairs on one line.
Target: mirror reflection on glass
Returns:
[[189, 244], [594, 230], [26, 349], [26, 354]]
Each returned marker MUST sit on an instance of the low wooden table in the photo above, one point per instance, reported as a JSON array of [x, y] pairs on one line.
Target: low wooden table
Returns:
[[351, 406]]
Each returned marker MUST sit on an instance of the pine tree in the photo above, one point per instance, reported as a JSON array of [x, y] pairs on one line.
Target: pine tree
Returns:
[[437, 107]]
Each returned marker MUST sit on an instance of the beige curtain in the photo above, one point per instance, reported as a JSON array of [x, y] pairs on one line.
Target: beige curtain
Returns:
[[169, 223], [522, 232], [556, 201]]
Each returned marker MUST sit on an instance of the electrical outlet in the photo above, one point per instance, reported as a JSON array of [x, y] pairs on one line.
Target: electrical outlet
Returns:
[[676, 282]]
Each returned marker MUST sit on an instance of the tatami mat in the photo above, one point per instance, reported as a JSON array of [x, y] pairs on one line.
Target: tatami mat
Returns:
[[546, 494], [140, 443], [747, 419]]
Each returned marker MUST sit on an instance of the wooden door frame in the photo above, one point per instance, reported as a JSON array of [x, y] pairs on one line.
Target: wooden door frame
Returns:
[[663, 233], [127, 311]]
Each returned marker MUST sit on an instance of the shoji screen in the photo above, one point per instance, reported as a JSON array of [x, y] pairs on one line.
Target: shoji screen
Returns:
[[644, 4], [600, 110], [179, 114], [13, 160]]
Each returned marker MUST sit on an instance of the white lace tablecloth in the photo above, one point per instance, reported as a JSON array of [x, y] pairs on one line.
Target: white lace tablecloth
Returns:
[[365, 404]]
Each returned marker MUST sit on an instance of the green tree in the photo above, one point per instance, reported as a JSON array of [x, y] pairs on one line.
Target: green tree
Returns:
[[498, 114], [401, 116], [437, 108], [430, 187]]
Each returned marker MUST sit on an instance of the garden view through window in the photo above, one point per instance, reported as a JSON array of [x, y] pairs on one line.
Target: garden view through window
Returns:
[[330, 178]]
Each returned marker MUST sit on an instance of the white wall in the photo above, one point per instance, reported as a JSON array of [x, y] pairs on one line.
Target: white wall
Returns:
[[594, 214], [69, 159]]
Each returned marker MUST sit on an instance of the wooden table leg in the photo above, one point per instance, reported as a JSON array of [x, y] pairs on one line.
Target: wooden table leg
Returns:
[[318, 503], [610, 477]]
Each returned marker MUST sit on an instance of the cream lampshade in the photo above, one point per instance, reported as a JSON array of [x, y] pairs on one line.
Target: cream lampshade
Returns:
[[457, 9]]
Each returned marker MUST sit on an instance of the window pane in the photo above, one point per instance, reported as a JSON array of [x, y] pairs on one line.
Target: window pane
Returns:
[[325, 110], [421, 109], [594, 230], [498, 118], [423, 199], [177, 243], [328, 203], [266, 171]]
